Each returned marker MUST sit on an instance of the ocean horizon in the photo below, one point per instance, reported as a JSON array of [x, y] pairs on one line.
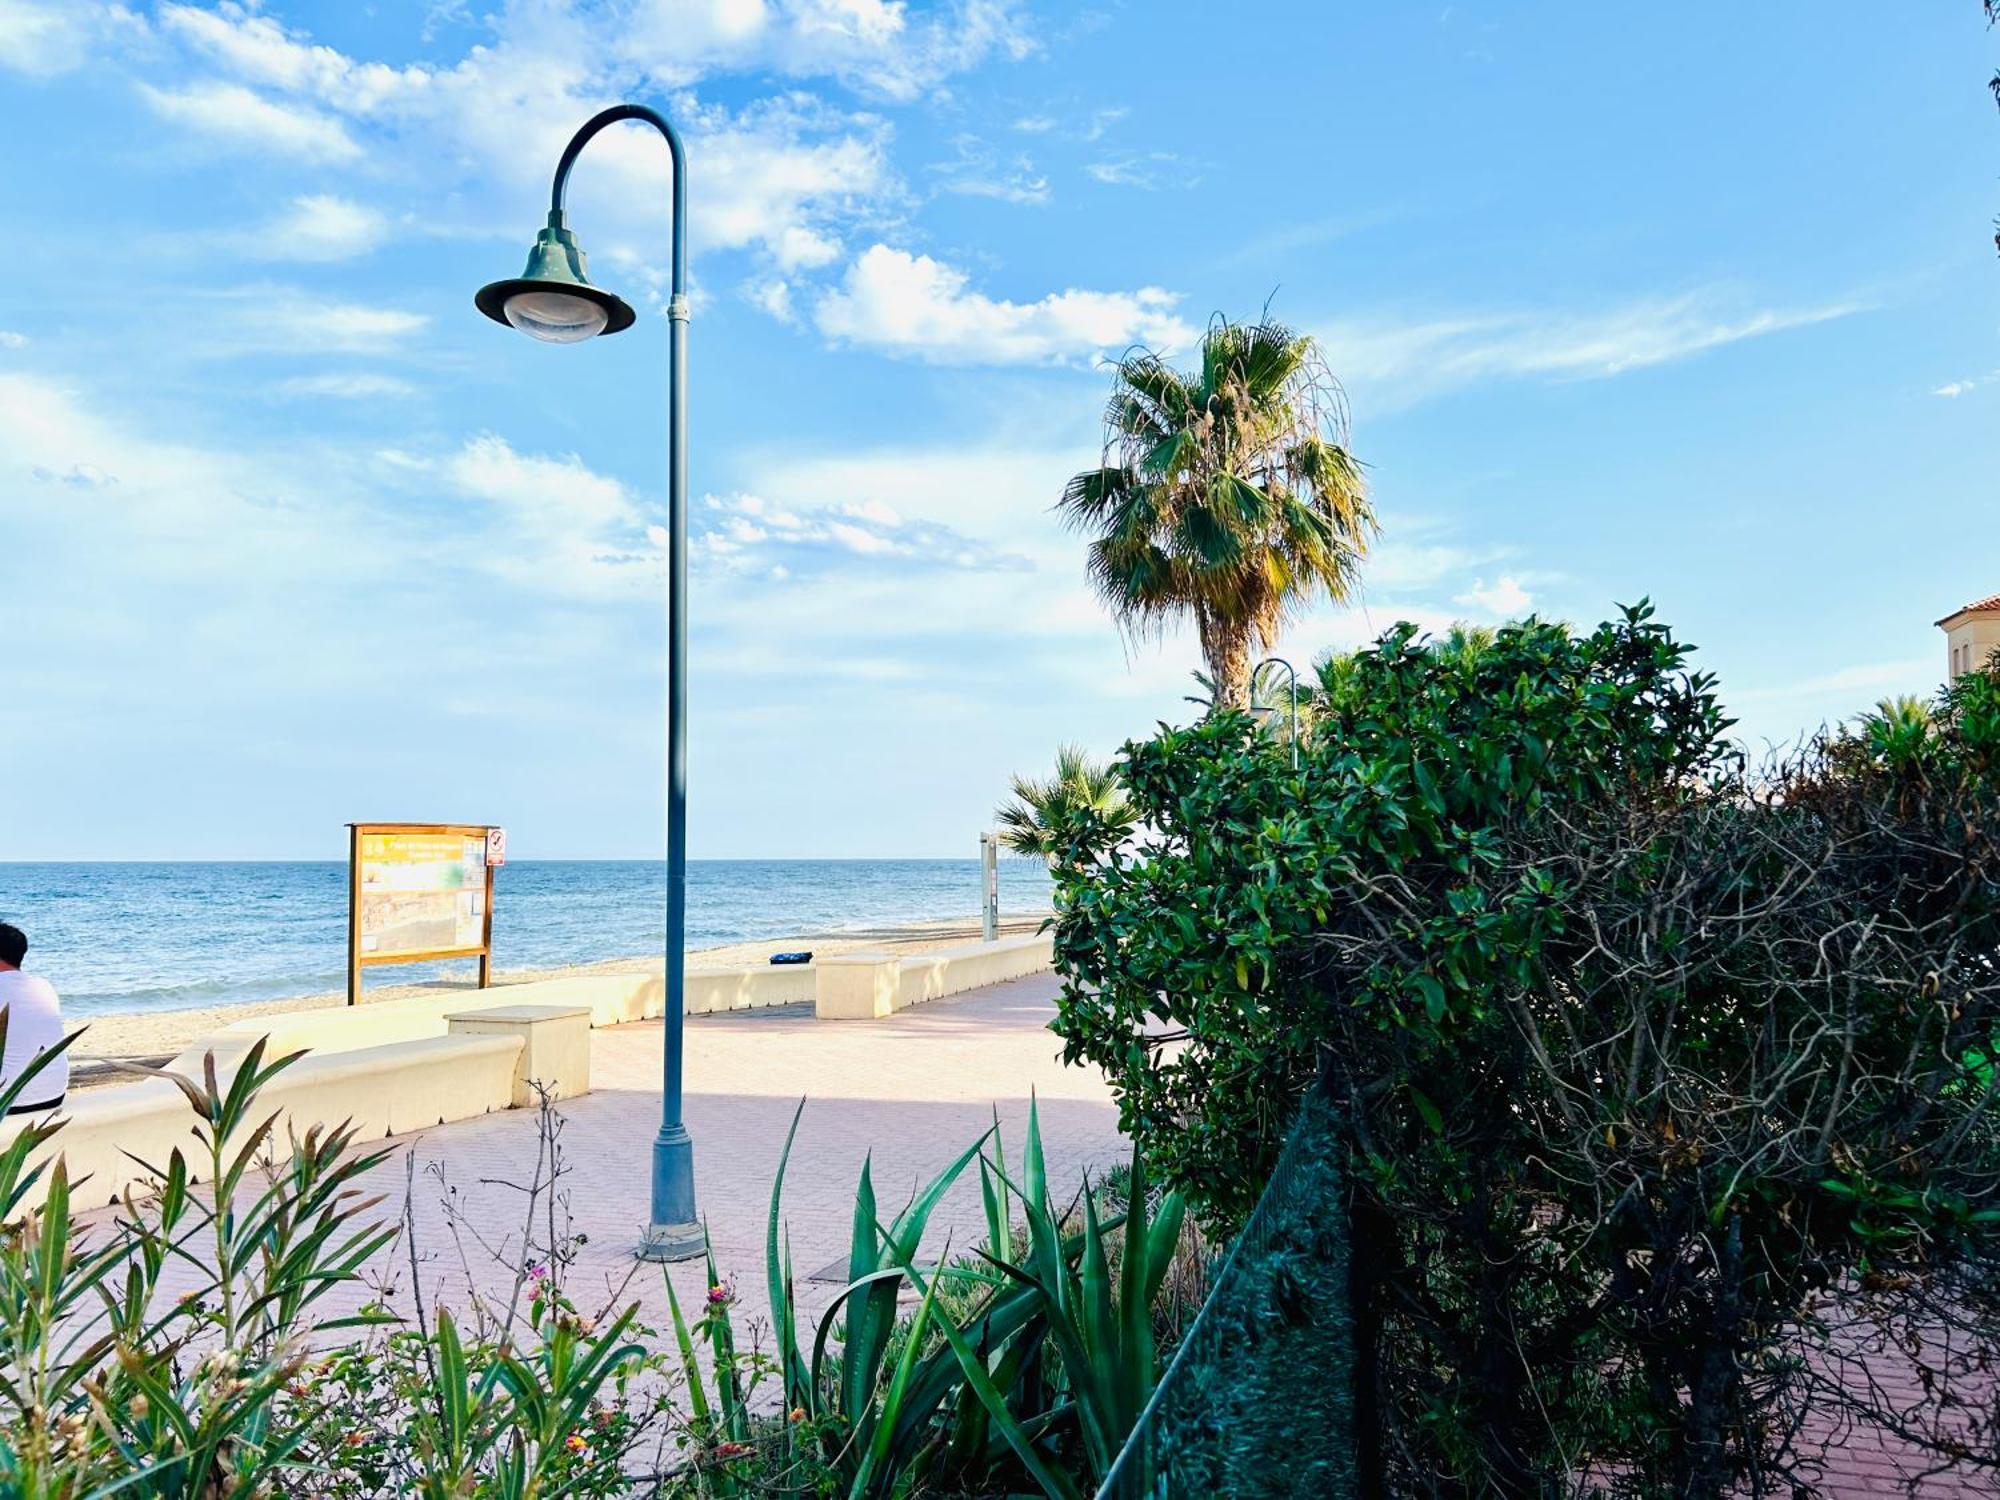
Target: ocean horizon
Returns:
[[148, 935]]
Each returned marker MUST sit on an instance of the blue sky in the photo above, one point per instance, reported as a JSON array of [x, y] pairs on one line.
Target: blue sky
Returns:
[[1698, 303]]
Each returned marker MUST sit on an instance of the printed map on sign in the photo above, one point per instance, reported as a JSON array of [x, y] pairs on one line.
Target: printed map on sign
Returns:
[[421, 893]]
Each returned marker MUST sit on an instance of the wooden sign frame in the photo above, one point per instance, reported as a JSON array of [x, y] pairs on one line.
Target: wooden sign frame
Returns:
[[357, 960]]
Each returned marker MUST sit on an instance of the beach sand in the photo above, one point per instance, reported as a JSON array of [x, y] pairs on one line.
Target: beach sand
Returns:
[[152, 1037]]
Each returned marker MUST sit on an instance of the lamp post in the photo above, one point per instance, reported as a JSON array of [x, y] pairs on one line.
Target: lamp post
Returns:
[[552, 300], [1279, 661]]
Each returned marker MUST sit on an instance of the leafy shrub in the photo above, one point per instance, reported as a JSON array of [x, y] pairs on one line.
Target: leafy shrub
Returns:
[[1651, 1066]]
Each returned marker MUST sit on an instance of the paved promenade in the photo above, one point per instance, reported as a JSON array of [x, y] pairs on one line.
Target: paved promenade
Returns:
[[914, 1089]]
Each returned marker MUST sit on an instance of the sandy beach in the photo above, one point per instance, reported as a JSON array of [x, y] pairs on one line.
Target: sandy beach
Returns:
[[152, 1037]]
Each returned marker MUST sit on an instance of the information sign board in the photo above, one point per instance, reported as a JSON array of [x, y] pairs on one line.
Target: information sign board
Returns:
[[419, 891]]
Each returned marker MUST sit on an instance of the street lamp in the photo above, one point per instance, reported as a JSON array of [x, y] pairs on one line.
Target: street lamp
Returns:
[[1293, 697], [552, 300]]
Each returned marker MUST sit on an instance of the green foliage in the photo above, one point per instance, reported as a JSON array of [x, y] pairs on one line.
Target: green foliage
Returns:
[[1640, 1055], [110, 1381], [1023, 1368], [1029, 823], [1232, 498]]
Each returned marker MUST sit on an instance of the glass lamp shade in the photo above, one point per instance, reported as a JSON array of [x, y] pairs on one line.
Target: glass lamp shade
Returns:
[[552, 299], [555, 316]]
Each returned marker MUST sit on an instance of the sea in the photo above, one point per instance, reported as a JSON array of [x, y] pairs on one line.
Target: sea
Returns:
[[138, 937]]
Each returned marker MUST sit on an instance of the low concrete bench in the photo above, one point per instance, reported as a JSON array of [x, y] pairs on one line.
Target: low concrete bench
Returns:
[[868, 985], [555, 1047]]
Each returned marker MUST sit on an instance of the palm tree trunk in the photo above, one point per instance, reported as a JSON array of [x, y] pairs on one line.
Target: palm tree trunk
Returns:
[[1226, 645]]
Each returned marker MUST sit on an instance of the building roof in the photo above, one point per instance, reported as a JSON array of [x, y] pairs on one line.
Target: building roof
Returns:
[[1989, 605]]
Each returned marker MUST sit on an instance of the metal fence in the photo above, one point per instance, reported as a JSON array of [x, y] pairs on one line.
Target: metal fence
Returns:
[[1259, 1398]]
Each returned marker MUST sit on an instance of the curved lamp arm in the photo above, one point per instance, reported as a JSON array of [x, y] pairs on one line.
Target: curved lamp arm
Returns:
[[612, 116]]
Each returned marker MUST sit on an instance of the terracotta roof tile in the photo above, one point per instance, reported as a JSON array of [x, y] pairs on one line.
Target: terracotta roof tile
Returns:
[[1978, 606]]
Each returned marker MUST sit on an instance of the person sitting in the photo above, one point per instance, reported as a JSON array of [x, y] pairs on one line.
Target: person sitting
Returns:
[[34, 1025]]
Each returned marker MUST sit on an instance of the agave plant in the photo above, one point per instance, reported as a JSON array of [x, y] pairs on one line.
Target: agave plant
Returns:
[[1038, 1379], [1034, 821]]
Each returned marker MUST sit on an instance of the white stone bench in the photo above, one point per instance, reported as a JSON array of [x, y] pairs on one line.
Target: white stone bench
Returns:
[[869, 985]]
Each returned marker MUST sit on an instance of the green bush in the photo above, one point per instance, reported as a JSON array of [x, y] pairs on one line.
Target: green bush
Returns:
[[1658, 1072]]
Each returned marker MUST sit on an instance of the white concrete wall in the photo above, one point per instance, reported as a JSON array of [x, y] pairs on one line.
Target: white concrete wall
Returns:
[[615, 999], [382, 1090], [399, 1065], [611, 999], [867, 986], [952, 971]]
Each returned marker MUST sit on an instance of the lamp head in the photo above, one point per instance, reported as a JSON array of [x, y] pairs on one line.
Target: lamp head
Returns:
[[553, 300]]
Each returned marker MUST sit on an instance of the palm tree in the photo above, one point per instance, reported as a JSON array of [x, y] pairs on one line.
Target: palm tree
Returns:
[[1033, 822], [1899, 727], [1228, 494]]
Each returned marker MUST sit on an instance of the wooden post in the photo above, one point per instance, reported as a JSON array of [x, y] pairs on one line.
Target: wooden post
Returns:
[[353, 913]]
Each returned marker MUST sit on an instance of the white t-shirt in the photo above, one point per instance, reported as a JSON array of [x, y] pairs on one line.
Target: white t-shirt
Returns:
[[34, 1024]]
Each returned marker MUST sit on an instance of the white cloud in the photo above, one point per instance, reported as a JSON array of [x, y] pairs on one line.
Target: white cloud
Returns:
[[45, 37], [1405, 361], [1851, 686], [784, 175], [82, 476], [747, 534], [979, 171], [1506, 599], [295, 322], [359, 386], [258, 48], [1956, 388], [11, 340], [229, 112], [798, 248], [878, 46], [1150, 170], [567, 529], [774, 296], [922, 308], [319, 227]]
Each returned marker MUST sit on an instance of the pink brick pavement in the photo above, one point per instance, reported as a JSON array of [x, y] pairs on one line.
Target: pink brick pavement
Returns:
[[913, 1090]]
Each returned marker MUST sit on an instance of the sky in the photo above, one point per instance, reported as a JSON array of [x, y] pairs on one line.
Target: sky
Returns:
[[1696, 303]]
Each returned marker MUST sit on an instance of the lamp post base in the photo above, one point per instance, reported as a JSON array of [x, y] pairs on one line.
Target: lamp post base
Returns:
[[674, 1230], [671, 1242]]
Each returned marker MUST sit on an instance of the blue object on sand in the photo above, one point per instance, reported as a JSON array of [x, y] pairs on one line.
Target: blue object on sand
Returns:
[[792, 958]]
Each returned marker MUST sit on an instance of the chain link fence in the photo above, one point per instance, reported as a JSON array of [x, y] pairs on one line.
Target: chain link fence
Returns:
[[1259, 1398]]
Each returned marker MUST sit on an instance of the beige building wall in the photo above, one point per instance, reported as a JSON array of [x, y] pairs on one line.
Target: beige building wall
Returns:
[[1971, 635]]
